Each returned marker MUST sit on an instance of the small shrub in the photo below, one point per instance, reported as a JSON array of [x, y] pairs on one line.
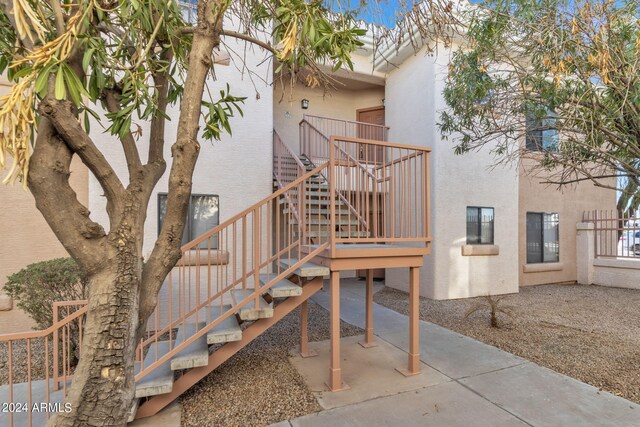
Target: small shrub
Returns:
[[37, 286], [492, 304]]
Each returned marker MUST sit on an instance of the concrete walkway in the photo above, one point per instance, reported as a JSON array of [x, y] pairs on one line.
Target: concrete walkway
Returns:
[[483, 386]]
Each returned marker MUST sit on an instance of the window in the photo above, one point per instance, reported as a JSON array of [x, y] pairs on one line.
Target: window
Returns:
[[202, 215], [479, 226], [543, 239], [542, 134]]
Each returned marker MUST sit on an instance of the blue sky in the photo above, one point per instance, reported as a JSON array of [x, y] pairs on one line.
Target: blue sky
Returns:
[[379, 12]]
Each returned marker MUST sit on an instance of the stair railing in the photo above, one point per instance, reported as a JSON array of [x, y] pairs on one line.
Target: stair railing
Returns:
[[315, 146], [287, 167], [330, 126], [231, 256], [48, 356], [387, 183], [384, 184]]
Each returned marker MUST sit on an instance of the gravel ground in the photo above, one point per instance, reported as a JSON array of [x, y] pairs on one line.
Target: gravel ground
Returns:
[[259, 386], [590, 333], [20, 368]]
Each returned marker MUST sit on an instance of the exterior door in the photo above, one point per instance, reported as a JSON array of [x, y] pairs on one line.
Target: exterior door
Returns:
[[375, 116]]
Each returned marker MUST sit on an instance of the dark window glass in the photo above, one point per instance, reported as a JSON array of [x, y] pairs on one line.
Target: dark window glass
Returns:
[[202, 215], [479, 225], [543, 239], [542, 134]]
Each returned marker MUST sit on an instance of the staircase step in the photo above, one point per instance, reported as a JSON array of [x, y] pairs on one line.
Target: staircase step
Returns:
[[160, 380], [133, 410], [308, 269], [227, 331], [282, 289], [313, 193], [341, 234], [345, 222], [317, 186], [314, 202], [249, 312], [322, 211], [194, 355]]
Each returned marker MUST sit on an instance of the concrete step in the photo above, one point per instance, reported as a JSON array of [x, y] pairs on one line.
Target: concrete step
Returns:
[[313, 202], [322, 211], [317, 179], [196, 354], [282, 289], [133, 410], [307, 269], [341, 233], [345, 222], [249, 310], [314, 193], [227, 331], [160, 380], [317, 186]]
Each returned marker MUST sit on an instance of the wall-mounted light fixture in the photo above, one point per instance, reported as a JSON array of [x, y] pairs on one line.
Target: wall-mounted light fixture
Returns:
[[304, 104]]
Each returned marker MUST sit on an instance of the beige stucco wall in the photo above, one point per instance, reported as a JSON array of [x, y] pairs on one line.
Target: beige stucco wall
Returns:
[[569, 203], [238, 168], [413, 101], [26, 237], [339, 103]]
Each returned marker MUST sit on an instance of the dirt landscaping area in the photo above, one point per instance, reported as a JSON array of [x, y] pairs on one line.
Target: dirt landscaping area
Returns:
[[259, 385], [590, 333]]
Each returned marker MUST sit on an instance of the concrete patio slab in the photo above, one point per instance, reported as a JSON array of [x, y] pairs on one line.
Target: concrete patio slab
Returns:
[[27, 410], [369, 372], [543, 397], [453, 354], [448, 404], [487, 387]]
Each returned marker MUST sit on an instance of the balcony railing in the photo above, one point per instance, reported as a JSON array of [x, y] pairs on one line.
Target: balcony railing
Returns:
[[616, 236], [346, 128], [383, 184]]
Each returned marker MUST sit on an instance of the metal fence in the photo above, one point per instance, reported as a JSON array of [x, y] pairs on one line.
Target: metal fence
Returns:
[[616, 236]]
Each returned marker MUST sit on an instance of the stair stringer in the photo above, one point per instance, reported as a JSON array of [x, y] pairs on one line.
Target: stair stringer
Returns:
[[224, 353]]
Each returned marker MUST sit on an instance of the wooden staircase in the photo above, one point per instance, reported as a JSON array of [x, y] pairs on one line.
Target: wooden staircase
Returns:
[[200, 358]]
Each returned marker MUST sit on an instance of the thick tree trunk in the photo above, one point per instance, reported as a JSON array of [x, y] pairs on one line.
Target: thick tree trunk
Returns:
[[121, 296], [103, 382]]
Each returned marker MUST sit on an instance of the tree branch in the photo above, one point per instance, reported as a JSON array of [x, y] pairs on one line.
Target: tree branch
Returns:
[[128, 142], [156, 136], [237, 35], [66, 124], [249, 39], [166, 251], [48, 181], [57, 11]]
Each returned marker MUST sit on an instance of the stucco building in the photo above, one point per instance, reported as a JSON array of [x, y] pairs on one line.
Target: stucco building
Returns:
[[493, 229]]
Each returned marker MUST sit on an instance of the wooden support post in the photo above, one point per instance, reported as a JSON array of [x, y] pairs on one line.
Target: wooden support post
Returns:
[[335, 372], [368, 332], [304, 331], [414, 323]]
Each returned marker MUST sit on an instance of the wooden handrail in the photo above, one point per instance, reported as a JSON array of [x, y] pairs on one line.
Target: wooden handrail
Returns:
[[51, 329], [289, 150], [346, 121], [218, 228], [381, 143], [201, 332]]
